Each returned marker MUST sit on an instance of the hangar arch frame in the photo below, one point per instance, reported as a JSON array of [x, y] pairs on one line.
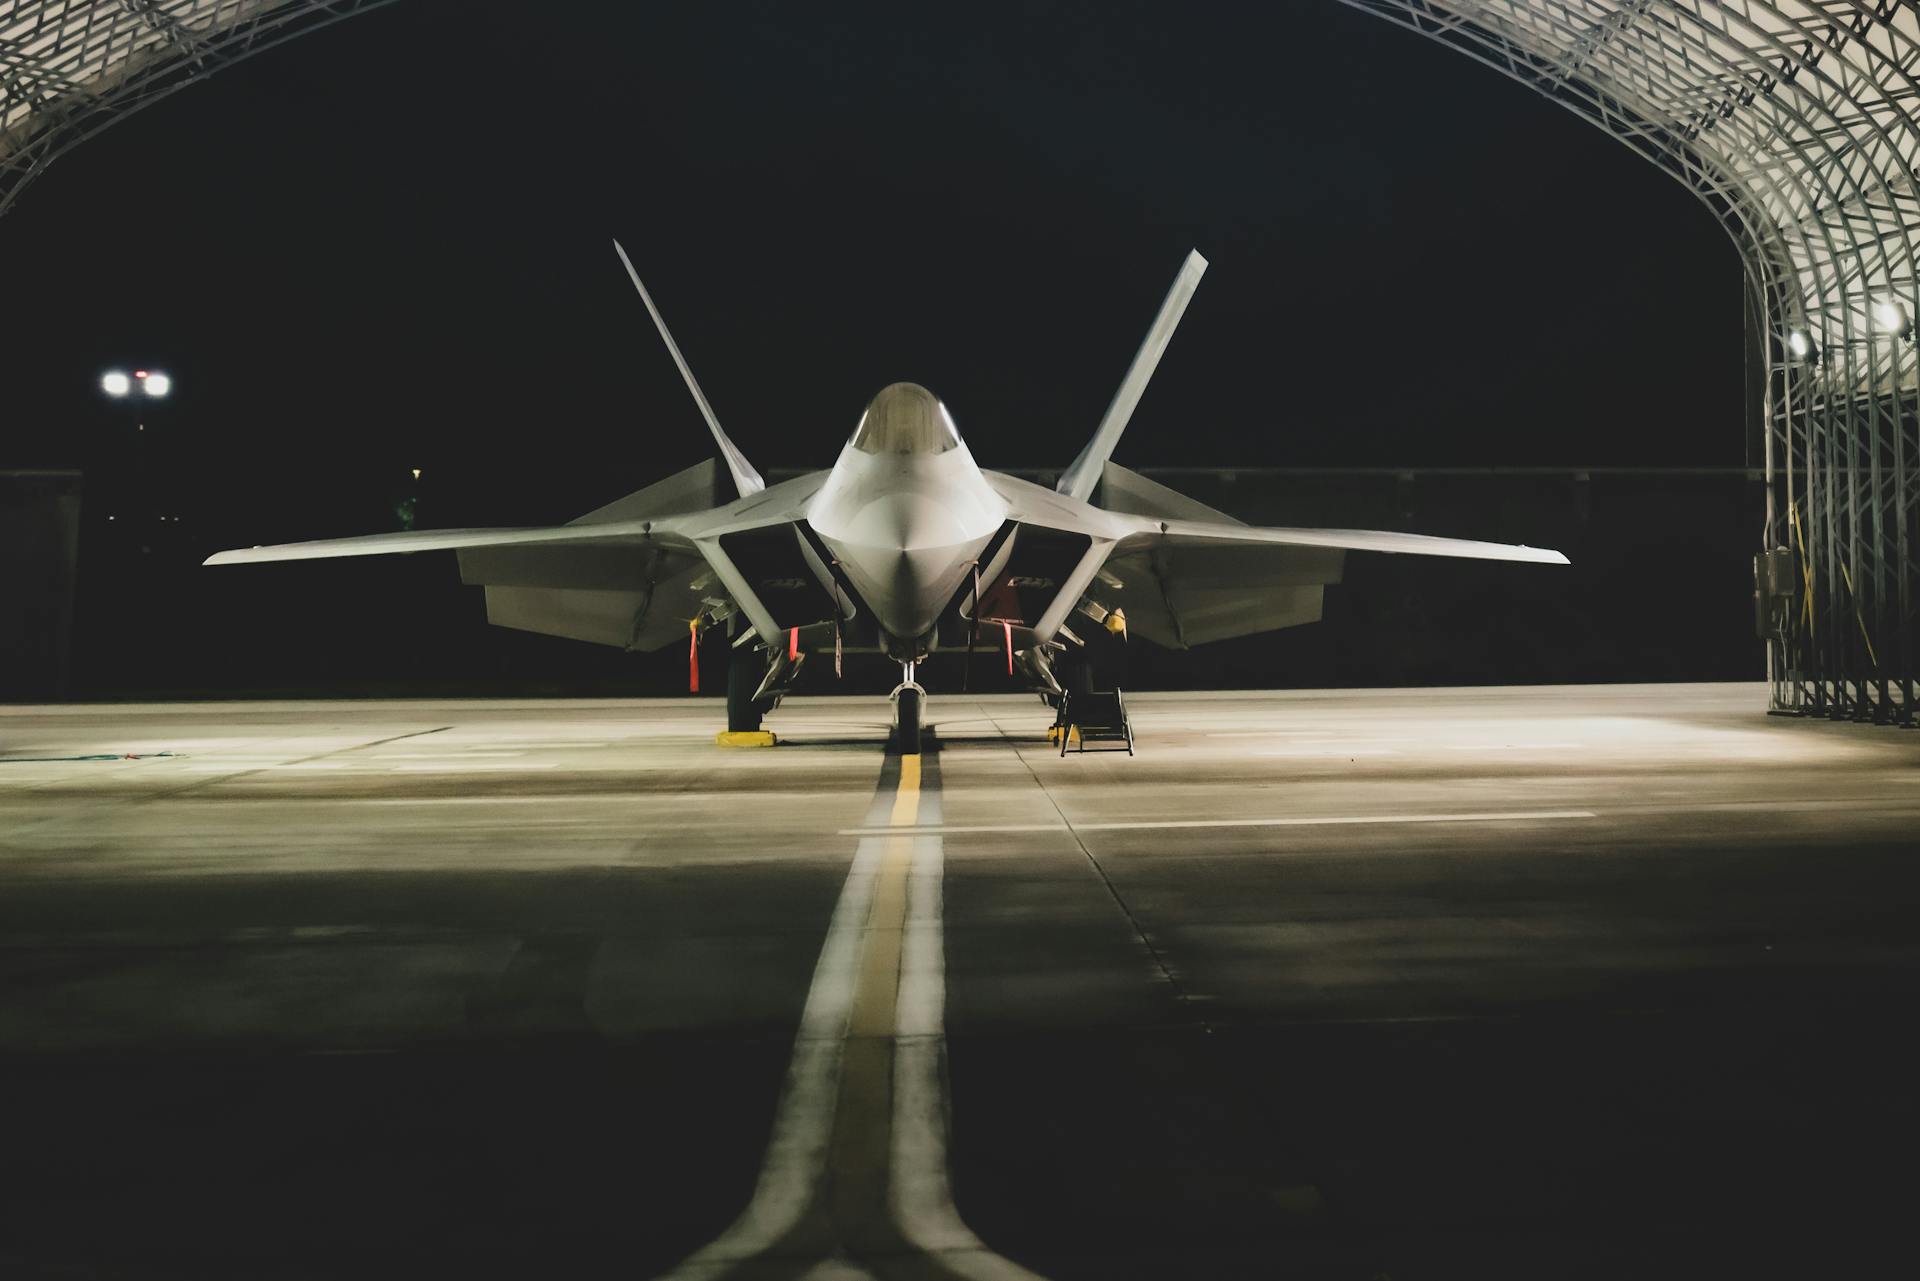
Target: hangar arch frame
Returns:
[[1797, 123], [71, 68]]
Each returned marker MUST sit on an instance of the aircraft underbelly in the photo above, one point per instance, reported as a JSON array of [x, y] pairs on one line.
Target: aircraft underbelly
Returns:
[[907, 588], [906, 530]]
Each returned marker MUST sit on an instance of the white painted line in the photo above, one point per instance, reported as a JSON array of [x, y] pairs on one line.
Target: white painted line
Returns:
[[800, 1163], [558, 743], [1331, 752], [796, 1159], [1298, 737], [543, 798], [1345, 820], [958, 829], [919, 1189], [471, 767], [1509, 747], [1368, 745], [670, 800], [372, 765], [428, 758], [1339, 820]]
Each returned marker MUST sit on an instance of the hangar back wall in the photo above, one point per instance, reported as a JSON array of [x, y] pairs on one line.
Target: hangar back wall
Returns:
[[1656, 592]]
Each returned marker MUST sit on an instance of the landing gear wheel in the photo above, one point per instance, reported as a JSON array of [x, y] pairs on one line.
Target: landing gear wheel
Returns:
[[743, 713], [906, 722]]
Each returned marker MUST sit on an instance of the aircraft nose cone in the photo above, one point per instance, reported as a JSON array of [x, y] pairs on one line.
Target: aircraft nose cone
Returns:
[[899, 523]]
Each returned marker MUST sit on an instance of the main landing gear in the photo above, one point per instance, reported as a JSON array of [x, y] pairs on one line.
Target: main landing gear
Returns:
[[742, 713], [743, 679], [908, 705]]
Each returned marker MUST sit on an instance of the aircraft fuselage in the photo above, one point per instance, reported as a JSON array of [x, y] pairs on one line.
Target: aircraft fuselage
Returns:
[[906, 513]]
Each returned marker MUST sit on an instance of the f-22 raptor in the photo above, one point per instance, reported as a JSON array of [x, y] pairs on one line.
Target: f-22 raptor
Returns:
[[904, 547]]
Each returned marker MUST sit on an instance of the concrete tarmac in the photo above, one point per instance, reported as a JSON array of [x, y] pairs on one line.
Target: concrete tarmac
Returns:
[[1544, 982]]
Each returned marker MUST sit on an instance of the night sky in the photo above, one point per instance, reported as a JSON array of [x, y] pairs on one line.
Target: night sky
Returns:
[[386, 245]]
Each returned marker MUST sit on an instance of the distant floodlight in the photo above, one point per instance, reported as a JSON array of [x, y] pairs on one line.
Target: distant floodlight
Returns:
[[115, 383], [1799, 344], [1891, 317], [416, 473], [158, 384]]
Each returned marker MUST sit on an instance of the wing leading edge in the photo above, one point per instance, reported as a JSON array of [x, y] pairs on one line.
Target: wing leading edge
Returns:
[[780, 504], [1353, 540], [1189, 582], [435, 540], [1032, 505]]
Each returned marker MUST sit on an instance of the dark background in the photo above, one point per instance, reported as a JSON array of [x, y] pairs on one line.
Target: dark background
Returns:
[[385, 246]]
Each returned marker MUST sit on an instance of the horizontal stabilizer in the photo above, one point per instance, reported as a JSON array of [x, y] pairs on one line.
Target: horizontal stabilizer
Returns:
[[1127, 491], [694, 490]]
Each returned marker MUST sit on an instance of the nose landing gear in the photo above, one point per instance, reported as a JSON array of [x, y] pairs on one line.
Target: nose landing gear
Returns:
[[908, 704]]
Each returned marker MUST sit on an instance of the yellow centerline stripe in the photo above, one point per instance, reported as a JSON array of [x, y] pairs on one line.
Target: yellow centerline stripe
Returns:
[[906, 803], [877, 992], [878, 989], [863, 1116]]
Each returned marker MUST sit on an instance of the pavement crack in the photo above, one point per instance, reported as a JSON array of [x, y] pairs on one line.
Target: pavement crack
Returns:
[[1179, 989]]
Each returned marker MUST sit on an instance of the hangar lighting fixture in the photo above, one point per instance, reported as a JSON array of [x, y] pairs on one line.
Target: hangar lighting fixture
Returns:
[[157, 384], [115, 383], [1892, 318], [1799, 344]]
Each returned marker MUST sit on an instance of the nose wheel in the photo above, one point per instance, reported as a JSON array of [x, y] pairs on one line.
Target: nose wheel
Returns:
[[909, 702]]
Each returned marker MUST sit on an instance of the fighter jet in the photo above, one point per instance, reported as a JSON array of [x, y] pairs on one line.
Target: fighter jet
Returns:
[[905, 547]]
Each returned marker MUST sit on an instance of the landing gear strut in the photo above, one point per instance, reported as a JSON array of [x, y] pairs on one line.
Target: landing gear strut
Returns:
[[907, 706]]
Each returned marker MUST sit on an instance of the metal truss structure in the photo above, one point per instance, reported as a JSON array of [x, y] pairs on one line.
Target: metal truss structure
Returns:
[[70, 68], [1795, 122]]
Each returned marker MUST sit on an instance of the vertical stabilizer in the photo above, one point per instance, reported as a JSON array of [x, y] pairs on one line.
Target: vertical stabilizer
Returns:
[[745, 478], [1079, 480]]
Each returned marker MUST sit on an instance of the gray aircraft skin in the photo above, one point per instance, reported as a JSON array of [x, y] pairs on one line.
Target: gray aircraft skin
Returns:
[[905, 546]]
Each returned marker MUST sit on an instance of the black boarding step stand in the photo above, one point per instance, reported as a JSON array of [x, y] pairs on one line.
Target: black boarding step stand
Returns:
[[1097, 716]]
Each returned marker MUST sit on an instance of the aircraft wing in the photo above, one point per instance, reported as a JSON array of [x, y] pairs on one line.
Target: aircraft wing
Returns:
[[1145, 528], [434, 540], [1029, 504], [1186, 579], [633, 581], [1187, 582]]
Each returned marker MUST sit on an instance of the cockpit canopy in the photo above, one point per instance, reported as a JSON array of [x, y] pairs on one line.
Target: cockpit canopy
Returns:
[[905, 418]]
